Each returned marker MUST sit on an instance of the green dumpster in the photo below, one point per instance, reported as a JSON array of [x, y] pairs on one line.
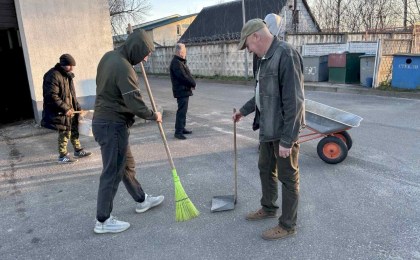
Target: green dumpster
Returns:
[[344, 67]]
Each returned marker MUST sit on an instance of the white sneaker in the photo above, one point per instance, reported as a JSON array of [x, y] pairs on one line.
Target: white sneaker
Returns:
[[149, 202], [111, 225]]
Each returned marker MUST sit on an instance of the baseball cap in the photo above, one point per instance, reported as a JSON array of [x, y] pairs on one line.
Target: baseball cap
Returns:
[[249, 28]]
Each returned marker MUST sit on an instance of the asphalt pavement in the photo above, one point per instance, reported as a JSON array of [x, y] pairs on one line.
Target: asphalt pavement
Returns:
[[366, 207]]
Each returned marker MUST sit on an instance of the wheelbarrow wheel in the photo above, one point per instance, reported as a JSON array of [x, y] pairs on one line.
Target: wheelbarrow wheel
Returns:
[[345, 136], [332, 150]]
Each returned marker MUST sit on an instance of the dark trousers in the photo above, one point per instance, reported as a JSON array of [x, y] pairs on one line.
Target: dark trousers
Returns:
[[118, 164], [274, 168], [181, 114]]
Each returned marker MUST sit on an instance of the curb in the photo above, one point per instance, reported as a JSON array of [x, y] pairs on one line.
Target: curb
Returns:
[[362, 91]]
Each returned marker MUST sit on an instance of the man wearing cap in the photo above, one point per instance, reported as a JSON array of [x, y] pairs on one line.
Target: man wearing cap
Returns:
[[273, 22], [60, 103], [279, 107]]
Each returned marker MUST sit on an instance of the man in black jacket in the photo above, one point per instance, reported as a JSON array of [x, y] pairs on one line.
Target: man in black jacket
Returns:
[[60, 102], [182, 86]]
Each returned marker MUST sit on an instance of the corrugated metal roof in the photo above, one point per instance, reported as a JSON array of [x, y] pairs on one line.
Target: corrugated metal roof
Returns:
[[224, 21]]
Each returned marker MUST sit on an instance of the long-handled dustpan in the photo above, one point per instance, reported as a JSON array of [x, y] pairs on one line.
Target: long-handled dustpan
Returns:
[[227, 202]]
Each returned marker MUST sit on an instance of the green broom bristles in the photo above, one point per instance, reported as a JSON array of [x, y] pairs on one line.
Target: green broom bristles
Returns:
[[184, 208]]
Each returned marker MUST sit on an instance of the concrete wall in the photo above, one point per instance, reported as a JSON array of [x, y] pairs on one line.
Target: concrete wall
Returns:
[[318, 49], [224, 59], [49, 28], [300, 39]]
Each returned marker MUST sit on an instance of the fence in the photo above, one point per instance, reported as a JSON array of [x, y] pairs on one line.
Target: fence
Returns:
[[325, 49], [301, 39], [384, 58], [222, 58]]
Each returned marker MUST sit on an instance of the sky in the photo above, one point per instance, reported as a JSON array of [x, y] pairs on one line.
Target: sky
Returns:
[[163, 8]]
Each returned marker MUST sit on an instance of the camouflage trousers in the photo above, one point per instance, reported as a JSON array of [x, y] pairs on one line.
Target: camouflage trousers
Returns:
[[72, 135]]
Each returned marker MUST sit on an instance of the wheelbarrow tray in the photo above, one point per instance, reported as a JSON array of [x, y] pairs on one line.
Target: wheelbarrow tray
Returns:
[[325, 119]]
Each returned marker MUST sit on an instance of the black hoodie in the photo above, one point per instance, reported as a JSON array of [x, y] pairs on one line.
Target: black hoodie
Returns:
[[118, 96]]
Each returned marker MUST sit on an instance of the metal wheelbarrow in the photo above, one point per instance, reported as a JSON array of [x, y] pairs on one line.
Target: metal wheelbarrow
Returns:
[[330, 124]]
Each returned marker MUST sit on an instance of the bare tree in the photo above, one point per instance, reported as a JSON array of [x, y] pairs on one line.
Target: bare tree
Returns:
[[329, 13], [363, 15], [123, 12], [371, 15], [324, 20], [352, 19], [405, 13], [413, 11]]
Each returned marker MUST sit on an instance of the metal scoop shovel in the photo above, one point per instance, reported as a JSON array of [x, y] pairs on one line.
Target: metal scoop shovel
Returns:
[[227, 202]]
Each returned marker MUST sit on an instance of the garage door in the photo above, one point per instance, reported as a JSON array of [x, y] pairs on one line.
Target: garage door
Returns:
[[8, 14]]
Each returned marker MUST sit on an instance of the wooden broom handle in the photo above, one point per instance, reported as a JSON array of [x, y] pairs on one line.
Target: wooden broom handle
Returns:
[[152, 101]]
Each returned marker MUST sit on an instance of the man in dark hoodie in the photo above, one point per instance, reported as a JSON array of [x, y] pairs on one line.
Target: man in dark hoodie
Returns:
[[60, 102], [182, 86], [118, 100]]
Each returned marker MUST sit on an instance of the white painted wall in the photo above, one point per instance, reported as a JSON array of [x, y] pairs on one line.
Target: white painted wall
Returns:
[[325, 49], [49, 28]]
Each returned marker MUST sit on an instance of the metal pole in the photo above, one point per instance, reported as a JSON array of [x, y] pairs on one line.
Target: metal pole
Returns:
[[405, 15], [245, 53], [338, 15]]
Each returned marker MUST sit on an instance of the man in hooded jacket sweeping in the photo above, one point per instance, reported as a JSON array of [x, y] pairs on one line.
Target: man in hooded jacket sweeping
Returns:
[[118, 100]]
